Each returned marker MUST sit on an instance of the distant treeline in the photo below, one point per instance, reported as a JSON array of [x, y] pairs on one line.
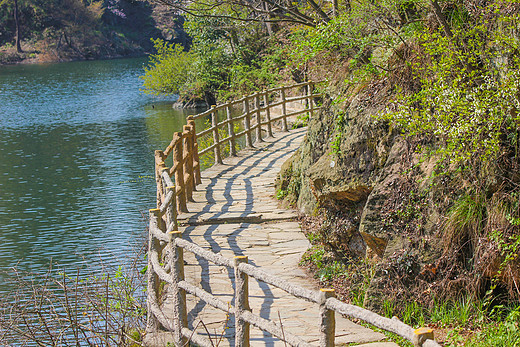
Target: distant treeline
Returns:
[[78, 29]]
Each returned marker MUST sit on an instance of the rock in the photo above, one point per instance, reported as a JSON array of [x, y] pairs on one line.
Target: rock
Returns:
[[345, 173], [343, 239], [376, 246], [190, 104], [335, 197], [371, 220], [341, 179]]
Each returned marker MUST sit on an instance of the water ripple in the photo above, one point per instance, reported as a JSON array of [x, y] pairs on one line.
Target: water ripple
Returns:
[[76, 157]]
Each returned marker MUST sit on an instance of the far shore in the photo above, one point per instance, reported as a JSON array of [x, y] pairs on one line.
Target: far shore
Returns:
[[9, 56]]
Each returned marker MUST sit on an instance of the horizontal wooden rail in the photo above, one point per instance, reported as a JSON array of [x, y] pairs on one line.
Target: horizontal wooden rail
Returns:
[[277, 282], [203, 253], [255, 116], [274, 329], [269, 91]]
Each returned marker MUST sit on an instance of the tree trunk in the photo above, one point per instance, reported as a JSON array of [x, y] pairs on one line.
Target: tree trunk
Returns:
[[440, 17], [319, 11], [335, 10], [17, 25], [268, 24]]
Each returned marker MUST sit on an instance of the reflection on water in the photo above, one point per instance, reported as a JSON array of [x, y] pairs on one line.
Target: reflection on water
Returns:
[[76, 161]]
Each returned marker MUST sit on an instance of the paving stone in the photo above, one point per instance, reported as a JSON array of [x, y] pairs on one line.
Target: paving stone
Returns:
[[302, 244], [378, 344]]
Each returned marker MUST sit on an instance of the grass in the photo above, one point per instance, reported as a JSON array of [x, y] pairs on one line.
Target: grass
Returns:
[[100, 305], [464, 322]]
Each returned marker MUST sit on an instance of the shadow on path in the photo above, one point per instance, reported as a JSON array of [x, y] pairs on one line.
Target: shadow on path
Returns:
[[246, 174]]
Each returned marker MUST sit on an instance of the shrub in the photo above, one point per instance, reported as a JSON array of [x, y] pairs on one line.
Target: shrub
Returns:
[[169, 70], [468, 101]]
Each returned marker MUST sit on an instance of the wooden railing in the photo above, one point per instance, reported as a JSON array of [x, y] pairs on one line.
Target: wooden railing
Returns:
[[166, 246], [257, 112], [257, 121]]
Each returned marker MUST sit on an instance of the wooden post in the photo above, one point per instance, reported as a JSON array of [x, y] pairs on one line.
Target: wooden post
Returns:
[[241, 303], [307, 92], [421, 335], [180, 316], [159, 164], [258, 119], [163, 218], [247, 122], [187, 157], [284, 110], [268, 115], [311, 100], [170, 216], [196, 160], [191, 131], [216, 140], [231, 132], [152, 288], [327, 322], [179, 172], [171, 211]]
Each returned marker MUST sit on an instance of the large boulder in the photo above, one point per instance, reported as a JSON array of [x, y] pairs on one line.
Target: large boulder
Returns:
[[339, 165]]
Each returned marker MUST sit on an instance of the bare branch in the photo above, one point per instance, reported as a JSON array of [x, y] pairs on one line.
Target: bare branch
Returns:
[[277, 11]]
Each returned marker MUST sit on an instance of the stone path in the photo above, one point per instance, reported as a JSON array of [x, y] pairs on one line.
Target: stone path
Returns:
[[235, 213]]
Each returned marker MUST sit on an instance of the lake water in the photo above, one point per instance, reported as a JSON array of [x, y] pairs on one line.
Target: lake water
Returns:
[[76, 162]]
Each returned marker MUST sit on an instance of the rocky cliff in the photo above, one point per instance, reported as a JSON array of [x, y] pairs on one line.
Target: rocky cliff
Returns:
[[368, 182]]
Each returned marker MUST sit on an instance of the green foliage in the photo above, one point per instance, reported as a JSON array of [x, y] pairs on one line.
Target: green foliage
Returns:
[[361, 275], [358, 274], [466, 321], [326, 269], [463, 312], [247, 78], [367, 36], [465, 224], [338, 131], [331, 271], [123, 299], [226, 60], [302, 120], [314, 256], [364, 43], [508, 246], [169, 70], [500, 334], [498, 327], [469, 94], [281, 194]]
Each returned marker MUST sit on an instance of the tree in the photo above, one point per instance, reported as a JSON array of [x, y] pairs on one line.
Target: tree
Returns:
[[17, 23], [169, 70], [16, 14]]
